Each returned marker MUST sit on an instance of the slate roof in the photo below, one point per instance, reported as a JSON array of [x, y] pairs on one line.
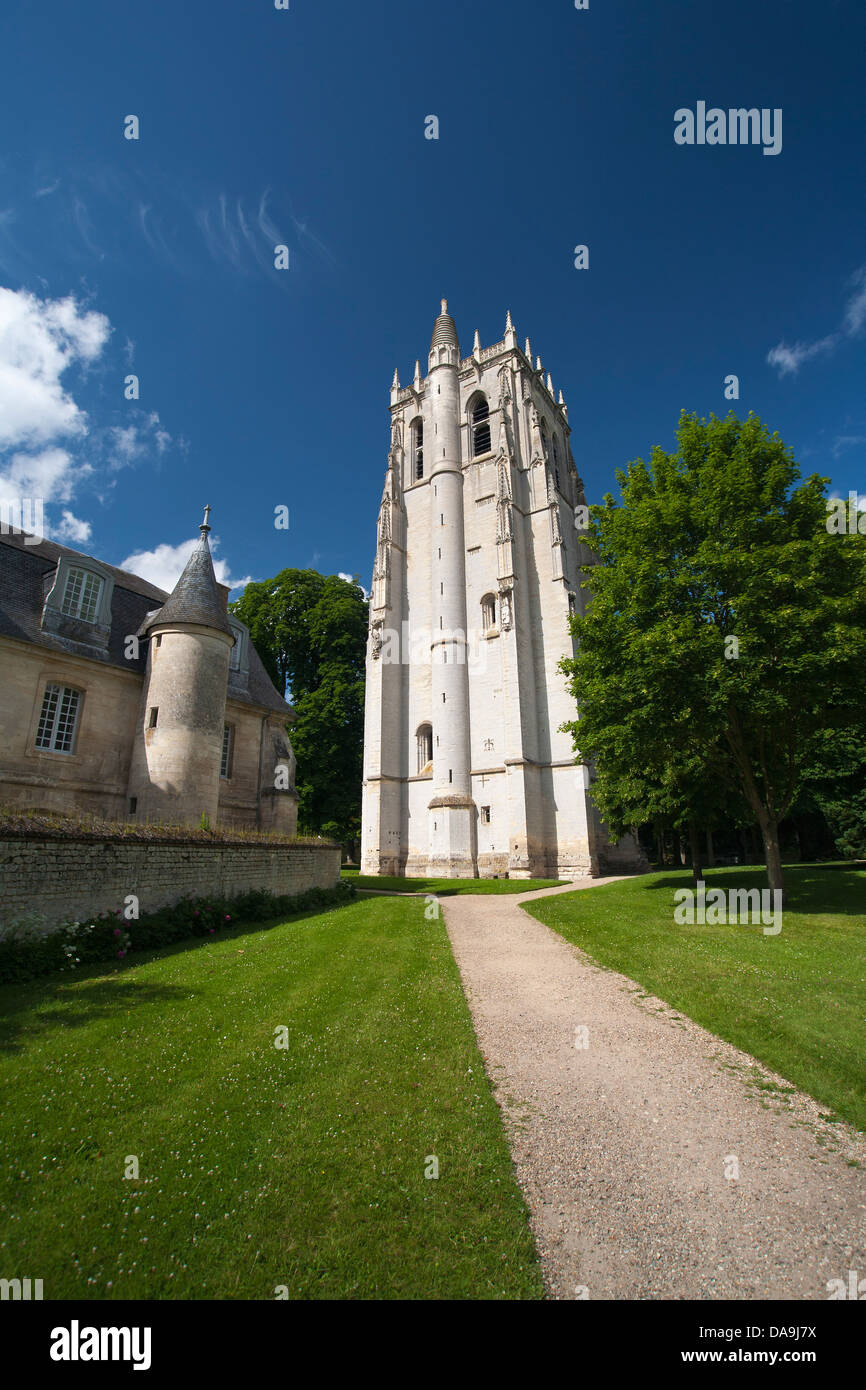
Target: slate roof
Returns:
[[26, 572], [195, 597]]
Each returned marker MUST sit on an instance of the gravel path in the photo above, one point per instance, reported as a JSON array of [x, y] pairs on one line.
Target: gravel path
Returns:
[[621, 1147]]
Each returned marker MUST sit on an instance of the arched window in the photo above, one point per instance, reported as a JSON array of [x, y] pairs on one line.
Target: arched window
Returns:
[[417, 437], [424, 738], [557, 458], [488, 612], [480, 417]]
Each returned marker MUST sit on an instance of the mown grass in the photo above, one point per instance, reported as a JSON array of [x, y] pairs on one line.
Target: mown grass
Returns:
[[260, 1167], [447, 887], [796, 1001]]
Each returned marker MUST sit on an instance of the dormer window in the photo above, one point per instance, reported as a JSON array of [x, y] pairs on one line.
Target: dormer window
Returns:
[[236, 659], [81, 595]]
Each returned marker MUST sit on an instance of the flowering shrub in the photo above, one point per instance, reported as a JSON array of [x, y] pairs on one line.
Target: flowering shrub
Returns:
[[28, 950]]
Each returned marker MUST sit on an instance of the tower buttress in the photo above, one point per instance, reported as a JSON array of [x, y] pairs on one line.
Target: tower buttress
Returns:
[[451, 807]]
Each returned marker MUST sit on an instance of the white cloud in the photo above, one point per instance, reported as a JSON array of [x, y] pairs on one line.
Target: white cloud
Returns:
[[50, 474], [72, 530], [353, 579], [41, 425], [40, 339], [789, 358], [164, 565]]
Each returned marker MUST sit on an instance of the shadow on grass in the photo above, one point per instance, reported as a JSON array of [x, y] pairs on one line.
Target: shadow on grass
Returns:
[[106, 988], [809, 888]]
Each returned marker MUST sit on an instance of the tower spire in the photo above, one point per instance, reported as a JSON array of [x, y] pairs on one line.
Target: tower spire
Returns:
[[205, 528]]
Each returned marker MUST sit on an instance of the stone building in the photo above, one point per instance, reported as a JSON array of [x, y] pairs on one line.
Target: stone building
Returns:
[[479, 545], [122, 701]]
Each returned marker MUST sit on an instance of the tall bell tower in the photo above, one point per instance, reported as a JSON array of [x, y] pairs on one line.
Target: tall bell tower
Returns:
[[477, 571]]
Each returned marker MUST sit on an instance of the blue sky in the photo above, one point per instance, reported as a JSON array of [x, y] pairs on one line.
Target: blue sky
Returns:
[[306, 127]]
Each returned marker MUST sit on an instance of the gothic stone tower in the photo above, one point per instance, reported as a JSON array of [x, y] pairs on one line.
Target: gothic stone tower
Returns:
[[476, 574]]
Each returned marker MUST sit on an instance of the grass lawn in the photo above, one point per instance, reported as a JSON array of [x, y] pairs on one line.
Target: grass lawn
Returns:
[[259, 1166], [447, 887], [796, 1001]]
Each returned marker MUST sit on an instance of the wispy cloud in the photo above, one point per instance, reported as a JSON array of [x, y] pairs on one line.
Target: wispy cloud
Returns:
[[789, 358], [843, 442], [113, 212], [238, 237]]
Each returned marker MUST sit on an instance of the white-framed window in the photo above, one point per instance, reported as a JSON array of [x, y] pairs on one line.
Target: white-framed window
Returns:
[[424, 738], [488, 612], [82, 594], [58, 719], [228, 749], [485, 815]]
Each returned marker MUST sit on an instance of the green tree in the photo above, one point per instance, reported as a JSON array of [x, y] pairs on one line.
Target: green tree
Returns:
[[310, 631], [726, 634]]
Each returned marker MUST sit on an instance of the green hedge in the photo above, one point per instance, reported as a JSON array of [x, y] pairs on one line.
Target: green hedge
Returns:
[[27, 952]]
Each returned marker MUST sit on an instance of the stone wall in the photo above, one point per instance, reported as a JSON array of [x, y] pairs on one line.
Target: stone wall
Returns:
[[66, 879]]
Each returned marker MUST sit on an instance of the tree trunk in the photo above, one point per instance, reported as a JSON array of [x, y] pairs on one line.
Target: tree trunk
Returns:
[[695, 847], [660, 843], [772, 853], [711, 853], [679, 856]]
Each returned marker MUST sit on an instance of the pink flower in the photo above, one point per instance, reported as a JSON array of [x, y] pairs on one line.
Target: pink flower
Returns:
[[211, 931], [228, 918], [195, 914], [121, 953], [117, 931]]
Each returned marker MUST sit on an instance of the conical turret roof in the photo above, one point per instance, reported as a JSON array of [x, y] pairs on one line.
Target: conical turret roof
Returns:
[[195, 597]]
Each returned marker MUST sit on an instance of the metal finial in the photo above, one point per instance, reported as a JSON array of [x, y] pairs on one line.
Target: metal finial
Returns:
[[204, 528]]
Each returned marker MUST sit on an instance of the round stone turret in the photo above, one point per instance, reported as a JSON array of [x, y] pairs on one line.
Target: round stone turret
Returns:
[[175, 769]]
